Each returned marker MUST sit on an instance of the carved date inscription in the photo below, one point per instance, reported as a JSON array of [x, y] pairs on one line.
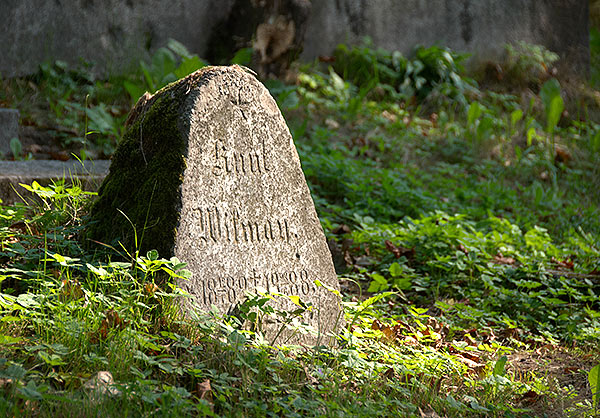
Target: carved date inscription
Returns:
[[231, 289]]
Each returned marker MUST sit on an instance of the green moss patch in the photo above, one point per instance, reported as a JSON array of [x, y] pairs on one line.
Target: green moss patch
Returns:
[[144, 183]]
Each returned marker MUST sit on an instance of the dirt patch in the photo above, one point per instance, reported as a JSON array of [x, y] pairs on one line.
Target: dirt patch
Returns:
[[566, 372]]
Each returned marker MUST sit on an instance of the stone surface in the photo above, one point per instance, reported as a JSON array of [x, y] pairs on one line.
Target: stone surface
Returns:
[[480, 27], [90, 174], [9, 129], [117, 34], [208, 172], [113, 34]]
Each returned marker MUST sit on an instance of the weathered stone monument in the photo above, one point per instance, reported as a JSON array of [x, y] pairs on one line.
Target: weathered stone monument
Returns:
[[207, 171]]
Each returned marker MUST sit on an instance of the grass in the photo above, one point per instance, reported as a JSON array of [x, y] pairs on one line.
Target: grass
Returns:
[[465, 227]]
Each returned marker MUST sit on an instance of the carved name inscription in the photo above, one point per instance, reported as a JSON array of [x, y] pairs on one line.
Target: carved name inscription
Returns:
[[218, 225], [231, 161]]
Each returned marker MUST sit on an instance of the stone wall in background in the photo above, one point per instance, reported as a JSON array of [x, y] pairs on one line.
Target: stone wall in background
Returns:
[[481, 27], [115, 34], [118, 33]]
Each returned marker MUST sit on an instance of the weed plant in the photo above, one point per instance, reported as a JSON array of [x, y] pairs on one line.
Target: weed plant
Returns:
[[464, 225]]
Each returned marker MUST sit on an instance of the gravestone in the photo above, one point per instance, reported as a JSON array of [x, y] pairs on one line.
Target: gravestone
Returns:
[[207, 171]]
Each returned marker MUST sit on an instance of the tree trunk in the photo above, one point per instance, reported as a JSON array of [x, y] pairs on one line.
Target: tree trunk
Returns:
[[274, 29]]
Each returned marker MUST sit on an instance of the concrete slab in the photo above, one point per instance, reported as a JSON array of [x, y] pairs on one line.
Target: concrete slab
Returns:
[[89, 173], [9, 129]]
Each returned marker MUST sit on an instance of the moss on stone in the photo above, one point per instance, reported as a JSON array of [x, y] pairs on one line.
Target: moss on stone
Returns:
[[145, 175]]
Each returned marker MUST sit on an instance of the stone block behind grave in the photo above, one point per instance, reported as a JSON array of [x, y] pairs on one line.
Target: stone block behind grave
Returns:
[[207, 171]]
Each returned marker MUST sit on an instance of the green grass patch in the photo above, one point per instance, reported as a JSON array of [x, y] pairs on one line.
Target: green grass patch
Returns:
[[464, 224]]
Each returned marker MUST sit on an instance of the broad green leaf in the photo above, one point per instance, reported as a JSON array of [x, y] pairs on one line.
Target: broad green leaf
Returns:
[[51, 359], [499, 366], [595, 142], [61, 259], [243, 56], [594, 378], [485, 128], [336, 81], [539, 193], [375, 299], [403, 283], [549, 91], [149, 80], [531, 134], [236, 338], [27, 300], [98, 271], [7, 301], [475, 111], [379, 283], [13, 371], [553, 114], [553, 103], [395, 270], [518, 152], [163, 64], [30, 391], [16, 147], [135, 91], [188, 66], [318, 283], [516, 116], [41, 191], [7, 339], [185, 274]]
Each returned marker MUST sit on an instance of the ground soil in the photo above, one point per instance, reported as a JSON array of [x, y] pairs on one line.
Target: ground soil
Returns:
[[565, 369]]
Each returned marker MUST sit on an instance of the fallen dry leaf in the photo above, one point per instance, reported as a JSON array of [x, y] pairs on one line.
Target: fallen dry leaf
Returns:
[[377, 325], [204, 390], [500, 259], [567, 263], [19, 226], [150, 289], [332, 123], [530, 397], [5, 383], [341, 229], [389, 373], [326, 58], [399, 251], [112, 320], [474, 367], [562, 155], [470, 355], [70, 290]]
